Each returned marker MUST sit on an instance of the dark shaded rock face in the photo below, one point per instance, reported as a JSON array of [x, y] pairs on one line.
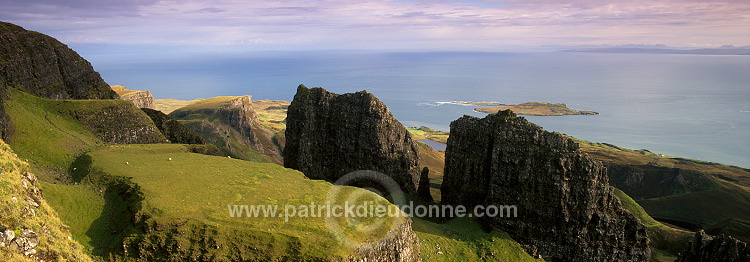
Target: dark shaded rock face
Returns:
[[173, 130], [329, 135], [40, 65], [704, 248], [566, 208]]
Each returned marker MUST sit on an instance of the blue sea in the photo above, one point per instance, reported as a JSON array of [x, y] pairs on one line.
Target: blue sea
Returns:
[[694, 106]]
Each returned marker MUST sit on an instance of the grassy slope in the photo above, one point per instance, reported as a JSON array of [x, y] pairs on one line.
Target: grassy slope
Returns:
[[428, 133], [16, 215], [45, 133], [48, 139], [169, 105], [462, 239], [666, 242], [198, 188]]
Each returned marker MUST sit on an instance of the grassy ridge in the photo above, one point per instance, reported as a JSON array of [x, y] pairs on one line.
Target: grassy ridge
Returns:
[[192, 192]]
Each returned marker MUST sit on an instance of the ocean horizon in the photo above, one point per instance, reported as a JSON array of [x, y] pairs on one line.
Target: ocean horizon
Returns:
[[692, 106]]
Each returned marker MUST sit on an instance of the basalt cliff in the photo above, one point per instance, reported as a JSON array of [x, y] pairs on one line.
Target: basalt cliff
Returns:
[[566, 209], [42, 66], [329, 135]]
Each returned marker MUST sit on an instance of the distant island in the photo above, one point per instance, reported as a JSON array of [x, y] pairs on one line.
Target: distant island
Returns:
[[528, 108]]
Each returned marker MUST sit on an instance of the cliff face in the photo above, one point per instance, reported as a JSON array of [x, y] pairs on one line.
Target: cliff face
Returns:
[[704, 248], [231, 123], [173, 130], [329, 135], [42, 66], [566, 208], [141, 99]]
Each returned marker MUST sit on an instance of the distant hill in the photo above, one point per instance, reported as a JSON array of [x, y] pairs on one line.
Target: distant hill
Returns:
[[702, 51]]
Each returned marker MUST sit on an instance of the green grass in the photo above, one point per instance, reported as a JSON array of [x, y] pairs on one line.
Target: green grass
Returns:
[[52, 133], [82, 206], [48, 139], [462, 239], [17, 214], [428, 133], [211, 103], [192, 192], [666, 241]]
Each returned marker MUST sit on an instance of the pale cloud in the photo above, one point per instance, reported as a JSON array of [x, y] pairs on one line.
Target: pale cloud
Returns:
[[332, 24]]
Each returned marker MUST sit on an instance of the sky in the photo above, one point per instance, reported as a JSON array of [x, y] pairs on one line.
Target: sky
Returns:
[[387, 24]]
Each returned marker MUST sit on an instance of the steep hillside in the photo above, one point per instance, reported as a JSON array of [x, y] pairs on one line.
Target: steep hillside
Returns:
[[232, 123], [42, 66], [30, 229]]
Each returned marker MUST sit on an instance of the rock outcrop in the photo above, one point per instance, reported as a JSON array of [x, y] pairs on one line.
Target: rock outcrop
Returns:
[[399, 245], [141, 99], [116, 122], [566, 209], [231, 123], [704, 248], [423, 191], [30, 229], [42, 66], [329, 135], [172, 129]]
